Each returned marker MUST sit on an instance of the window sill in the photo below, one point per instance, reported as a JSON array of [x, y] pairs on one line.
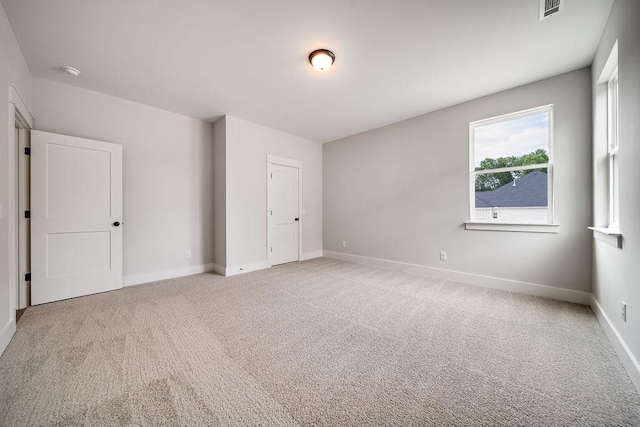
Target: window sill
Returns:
[[609, 236], [502, 226]]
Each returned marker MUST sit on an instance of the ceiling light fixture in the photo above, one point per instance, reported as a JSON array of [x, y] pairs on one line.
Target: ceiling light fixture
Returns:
[[71, 71], [322, 59]]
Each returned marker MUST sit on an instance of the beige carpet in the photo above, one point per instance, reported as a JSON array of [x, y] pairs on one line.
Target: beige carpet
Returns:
[[321, 342]]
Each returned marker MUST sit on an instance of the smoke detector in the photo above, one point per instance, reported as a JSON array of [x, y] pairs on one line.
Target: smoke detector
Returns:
[[71, 71], [549, 8]]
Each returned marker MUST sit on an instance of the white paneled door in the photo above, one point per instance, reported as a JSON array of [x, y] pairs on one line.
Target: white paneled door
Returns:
[[76, 216], [284, 215]]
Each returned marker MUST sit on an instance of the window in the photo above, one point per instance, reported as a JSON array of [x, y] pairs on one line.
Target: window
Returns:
[[511, 167], [606, 152], [612, 150]]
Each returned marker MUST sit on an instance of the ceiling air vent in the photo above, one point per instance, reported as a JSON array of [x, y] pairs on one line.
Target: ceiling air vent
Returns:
[[549, 8]]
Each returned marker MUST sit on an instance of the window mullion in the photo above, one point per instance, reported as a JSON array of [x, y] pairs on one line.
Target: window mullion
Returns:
[[511, 169]]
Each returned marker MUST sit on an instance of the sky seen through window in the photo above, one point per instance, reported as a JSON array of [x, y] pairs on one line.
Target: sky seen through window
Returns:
[[515, 137]]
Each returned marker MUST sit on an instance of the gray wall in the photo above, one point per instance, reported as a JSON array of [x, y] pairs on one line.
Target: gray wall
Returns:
[[401, 193], [167, 174], [616, 276], [247, 145], [220, 193]]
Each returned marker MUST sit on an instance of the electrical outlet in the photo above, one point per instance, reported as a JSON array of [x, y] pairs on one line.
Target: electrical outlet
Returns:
[[443, 256], [623, 311], [187, 254], [344, 243]]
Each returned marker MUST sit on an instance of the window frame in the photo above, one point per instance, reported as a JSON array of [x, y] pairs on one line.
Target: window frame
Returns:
[[613, 146], [512, 225], [610, 234]]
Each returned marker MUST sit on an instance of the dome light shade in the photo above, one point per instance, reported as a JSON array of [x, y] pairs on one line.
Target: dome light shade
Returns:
[[322, 59]]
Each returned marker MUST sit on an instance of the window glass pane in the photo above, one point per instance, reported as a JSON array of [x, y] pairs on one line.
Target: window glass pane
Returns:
[[613, 151], [517, 142], [613, 113], [615, 191], [512, 196]]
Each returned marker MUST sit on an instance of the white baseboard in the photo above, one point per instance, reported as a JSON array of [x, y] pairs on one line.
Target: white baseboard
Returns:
[[542, 291], [241, 269], [167, 274], [626, 357], [6, 334], [218, 269], [311, 255]]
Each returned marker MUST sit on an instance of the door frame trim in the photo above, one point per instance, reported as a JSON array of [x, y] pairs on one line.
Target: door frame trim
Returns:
[[20, 115], [283, 161]]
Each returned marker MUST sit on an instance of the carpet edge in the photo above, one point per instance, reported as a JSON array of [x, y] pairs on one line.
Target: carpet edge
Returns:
[[543, 291], [619, 345]]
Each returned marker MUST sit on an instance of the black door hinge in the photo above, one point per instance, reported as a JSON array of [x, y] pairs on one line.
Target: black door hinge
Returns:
[[27, 214], [27, 151], [27, 277]]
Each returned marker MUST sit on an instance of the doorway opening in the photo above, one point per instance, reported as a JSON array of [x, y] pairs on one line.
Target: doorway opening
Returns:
[[19, 199], [23, 223]]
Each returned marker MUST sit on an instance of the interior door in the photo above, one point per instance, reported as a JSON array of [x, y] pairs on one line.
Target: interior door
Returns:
[[284, 215], [76, 213]]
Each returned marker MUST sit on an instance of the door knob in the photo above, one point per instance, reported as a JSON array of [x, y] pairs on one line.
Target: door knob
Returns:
[[297, 219], [116, 224]]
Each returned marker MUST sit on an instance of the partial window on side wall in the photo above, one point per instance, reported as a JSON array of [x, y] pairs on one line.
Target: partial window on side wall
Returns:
[[612, 150], [608, 84]]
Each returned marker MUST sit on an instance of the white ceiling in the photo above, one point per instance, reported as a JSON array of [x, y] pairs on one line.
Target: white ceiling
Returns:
[[395, 59]]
